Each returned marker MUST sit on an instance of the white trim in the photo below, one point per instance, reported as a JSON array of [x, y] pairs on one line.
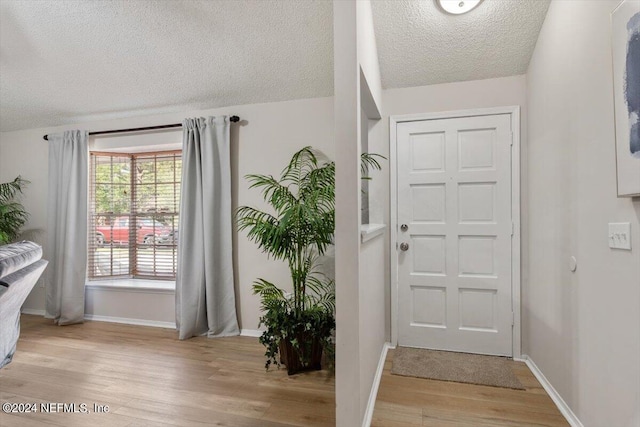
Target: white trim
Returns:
[[111, 319], [514, 111], [454, 114], [138, 322], [564, 409], [393, 225], [132, 285], [99, 288], [369, 231], [516, 274], [33, 312], [129, 321], [368, 413]]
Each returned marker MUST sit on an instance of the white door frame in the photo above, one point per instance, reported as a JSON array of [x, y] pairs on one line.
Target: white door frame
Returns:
[[514, 111]]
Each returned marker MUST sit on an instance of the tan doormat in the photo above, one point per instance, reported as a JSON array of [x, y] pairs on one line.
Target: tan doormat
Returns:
[[458, 367]]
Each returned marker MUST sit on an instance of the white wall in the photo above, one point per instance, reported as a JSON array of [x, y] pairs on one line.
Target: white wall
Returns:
[[488, 93], [368, 51], [347, 141], [360, 280], [139, 306], [373, 274], [582, 328], [373, 254], [373, 283], [466, 95], [262, 143]]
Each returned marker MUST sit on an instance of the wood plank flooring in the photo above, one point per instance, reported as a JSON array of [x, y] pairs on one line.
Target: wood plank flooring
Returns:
[[149, 378], [407, 401]]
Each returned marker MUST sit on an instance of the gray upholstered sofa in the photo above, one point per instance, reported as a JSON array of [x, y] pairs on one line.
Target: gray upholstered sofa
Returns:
[[21, 265]]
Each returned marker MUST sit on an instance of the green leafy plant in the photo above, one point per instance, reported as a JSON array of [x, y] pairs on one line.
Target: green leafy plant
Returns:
[[369, 161], [12, 214], [299, 231]]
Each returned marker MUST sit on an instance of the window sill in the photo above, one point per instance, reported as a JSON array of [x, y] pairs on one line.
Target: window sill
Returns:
[[133, 285], [370, 231]]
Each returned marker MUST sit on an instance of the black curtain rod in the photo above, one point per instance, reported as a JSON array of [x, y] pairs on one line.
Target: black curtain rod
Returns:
[[233, 119]]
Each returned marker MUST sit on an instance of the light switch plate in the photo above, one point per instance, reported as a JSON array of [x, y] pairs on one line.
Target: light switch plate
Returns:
[[620, 235]]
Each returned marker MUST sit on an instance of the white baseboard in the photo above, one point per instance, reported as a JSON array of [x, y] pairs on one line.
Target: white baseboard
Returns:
[[368, 413], [128, 321], [124, 320], [140, 322], [33, 312], [566, 411]]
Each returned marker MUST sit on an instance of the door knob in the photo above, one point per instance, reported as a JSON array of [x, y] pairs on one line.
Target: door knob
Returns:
[[404, 227], [404, 246]]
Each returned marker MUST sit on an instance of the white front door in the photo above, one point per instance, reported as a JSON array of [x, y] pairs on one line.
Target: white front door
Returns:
[[454, 234]]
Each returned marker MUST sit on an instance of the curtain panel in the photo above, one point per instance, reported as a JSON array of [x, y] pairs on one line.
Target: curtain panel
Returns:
[[67, 226], [205, 296]]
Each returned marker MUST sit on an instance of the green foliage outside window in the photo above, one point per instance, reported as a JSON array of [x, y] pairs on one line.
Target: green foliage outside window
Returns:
[[154, 185]]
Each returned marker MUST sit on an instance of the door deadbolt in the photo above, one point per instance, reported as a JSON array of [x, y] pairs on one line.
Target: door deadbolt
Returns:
[[404, 246], [404, 227]]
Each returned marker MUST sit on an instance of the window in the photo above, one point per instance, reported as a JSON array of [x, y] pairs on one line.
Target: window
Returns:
[[134, 202], [364, 183]]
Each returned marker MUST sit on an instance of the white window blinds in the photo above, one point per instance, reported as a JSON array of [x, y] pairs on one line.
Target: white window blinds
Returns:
[[134, 202]]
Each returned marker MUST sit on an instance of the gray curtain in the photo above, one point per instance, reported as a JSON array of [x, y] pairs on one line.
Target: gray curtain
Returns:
[[205, 299], [67, 226]]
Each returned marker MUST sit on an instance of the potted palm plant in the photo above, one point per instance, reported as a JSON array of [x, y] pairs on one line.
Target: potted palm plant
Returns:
[[12, 214], [298, 231]]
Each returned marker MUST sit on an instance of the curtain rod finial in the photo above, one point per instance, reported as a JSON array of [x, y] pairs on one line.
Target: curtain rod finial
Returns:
[[234, 119]]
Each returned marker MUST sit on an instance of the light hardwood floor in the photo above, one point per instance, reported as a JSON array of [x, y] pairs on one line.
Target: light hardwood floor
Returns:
[[406, 401], [149, 378]]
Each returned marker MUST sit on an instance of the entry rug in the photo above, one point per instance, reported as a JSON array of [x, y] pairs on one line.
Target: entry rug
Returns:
[[457, 367]]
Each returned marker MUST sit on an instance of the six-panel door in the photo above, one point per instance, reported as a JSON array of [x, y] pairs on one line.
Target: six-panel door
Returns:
[[454, 196]]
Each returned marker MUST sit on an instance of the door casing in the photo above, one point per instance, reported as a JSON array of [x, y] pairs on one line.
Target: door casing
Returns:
[[514, 112]]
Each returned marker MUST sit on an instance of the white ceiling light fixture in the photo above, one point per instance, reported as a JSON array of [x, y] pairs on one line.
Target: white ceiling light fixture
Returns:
[[458, 7]]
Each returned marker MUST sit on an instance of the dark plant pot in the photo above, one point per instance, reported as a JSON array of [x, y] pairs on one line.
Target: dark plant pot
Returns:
[[290, 357]]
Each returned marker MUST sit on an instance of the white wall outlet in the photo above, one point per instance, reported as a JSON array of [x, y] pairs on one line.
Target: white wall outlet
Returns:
[[620, 235]]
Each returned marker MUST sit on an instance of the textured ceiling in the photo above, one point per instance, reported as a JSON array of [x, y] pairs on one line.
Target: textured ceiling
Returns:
[[419, 45], [64, 62]]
